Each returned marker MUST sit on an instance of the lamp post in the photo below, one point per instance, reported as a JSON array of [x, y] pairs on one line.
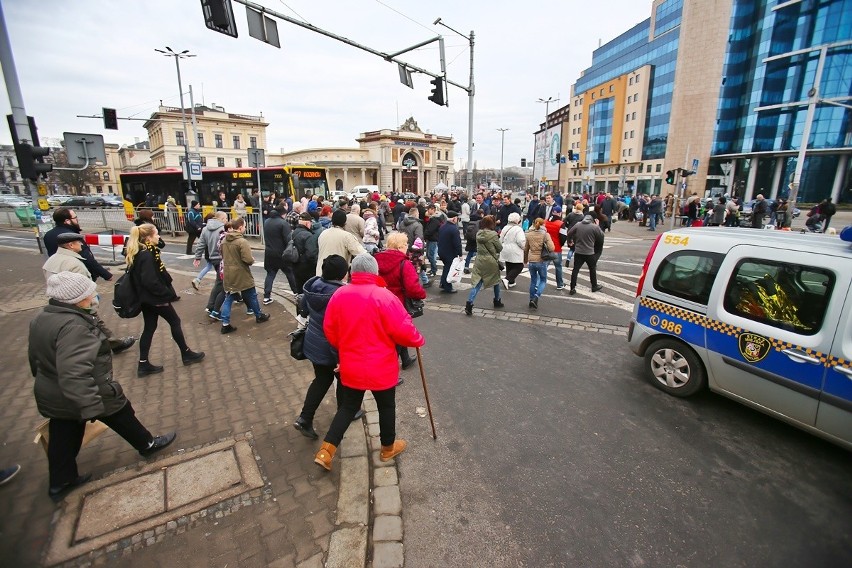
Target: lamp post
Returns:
[[546, 102], [470, 92], [502, 140], [169, 52]]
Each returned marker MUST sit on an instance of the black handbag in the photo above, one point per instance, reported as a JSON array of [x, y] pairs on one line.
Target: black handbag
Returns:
[[546, 255], [412, 306], [297, 344]]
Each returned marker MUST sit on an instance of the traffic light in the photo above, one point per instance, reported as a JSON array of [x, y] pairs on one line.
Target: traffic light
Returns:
[[572, 157], [31, 161], [523, 162], [670, 175], [558, 158], [437, 96], [110, 119]]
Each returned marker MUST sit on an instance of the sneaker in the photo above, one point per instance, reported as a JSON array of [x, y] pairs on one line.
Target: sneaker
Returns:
[[7, 474], [505, 282], [228, 328], [512, 284], [214, 315], [189, 357], [249, 312], [597, 288], [195, 283], [534, 303], [262, 318], [267, 301], [238, 300], [561, 287]]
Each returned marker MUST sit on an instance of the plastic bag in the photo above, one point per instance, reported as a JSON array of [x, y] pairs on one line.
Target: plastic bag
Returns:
[[456, 270]]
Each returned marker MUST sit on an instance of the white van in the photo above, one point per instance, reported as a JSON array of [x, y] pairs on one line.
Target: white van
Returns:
[[361, 191], [763, 317]]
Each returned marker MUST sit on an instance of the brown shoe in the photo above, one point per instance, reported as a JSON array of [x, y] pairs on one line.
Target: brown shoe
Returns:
[[390, 452], [325, 455]]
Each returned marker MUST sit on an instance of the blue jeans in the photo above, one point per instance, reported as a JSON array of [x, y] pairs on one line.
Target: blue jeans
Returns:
[[475, 290], [249, 297], [432, 255], [468, 258], [204, 271], [538, 278], [558, 264], [652, 221]]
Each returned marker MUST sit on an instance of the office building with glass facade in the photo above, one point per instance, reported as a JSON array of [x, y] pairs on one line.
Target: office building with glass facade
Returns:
[[726, 89]]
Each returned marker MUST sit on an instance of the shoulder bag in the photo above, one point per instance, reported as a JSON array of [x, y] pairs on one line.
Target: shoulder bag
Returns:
[[412, 306], [546, 255], [297, 343]]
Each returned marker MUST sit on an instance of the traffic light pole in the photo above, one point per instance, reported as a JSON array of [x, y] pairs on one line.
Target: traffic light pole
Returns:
[[19, 113]]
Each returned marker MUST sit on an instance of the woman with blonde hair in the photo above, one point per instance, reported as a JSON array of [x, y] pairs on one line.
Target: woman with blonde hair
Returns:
[[153, 284], [538, 242]]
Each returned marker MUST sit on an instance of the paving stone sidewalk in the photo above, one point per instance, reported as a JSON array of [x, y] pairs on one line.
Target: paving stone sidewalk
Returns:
[[247, 388]]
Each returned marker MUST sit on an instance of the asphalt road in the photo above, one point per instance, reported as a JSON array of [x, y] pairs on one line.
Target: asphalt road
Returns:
[[553, 449]]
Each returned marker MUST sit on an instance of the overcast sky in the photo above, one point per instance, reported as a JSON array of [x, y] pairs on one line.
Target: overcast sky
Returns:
[[75, 56]]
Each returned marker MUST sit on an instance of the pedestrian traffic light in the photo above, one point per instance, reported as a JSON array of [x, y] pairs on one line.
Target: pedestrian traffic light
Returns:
[[31, 161], [670, 175], [558, 158], [437, 96], [110, 119], [523, 162]]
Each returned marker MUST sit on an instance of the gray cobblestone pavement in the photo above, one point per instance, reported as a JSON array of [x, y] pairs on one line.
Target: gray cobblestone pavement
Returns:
[[247, 387]]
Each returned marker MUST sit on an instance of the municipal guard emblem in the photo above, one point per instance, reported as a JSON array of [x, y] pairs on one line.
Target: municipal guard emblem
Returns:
[[753, 347]]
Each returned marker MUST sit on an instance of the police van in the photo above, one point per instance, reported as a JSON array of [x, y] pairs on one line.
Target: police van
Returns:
[[762, 317]]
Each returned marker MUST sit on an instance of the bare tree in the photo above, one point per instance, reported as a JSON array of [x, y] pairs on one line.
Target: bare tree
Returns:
[[76, 180]]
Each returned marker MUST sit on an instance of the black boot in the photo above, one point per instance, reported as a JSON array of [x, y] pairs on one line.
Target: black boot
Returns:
[[498, 303], [306, 428], [189, 356], [468, 308], [145, 368]]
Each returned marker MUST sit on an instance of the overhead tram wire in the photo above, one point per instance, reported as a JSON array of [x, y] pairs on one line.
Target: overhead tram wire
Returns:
[[409, 18]]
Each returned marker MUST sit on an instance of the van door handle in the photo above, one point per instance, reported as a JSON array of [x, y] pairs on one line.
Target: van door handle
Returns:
[[843, 370], [797, 355]]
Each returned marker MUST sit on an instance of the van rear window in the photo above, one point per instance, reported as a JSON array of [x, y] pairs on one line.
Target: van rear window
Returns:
[[688, 275], [784, 295]]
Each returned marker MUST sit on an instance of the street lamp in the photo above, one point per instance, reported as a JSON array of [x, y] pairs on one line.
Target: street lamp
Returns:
[[169, 52], [546, 102], [470, 93], [502, 140]]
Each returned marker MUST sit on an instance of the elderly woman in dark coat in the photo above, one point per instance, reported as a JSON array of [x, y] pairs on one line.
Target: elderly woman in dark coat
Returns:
[[71, 361], [317, 292]]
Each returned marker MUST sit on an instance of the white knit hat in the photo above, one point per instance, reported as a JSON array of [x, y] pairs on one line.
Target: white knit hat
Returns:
[[70, 287]]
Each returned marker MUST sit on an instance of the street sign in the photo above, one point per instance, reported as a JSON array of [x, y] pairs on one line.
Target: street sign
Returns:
[[694, 165], [195, 171], [80, 146], [256, 157]]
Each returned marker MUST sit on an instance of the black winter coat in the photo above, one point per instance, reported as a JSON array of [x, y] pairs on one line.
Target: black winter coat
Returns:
[[317, 293], [449, 241], [276, 235], [154, 287]]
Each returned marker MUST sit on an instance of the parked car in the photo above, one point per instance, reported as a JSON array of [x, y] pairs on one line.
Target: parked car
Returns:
[[91, 202], [335, 195], [58, 199], [111, 200], [761, 317], [13, 202]]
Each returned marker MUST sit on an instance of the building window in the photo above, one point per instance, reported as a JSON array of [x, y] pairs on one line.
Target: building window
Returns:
[[253, 141], [203, 161], [236, 139], [200, 140], [218, 140], [632, 169], [97, 175], [640, 168], [633, 116], [659, 168], [630, 82], [611, 87], [630, 151], [109, 188], [631, 133], [220, 162], [179, 138], [99, 189], [106, 176], [625, 136], [628, 117], [238, 162], [624, 153], [601, 91], [593, 96], [637, 77]]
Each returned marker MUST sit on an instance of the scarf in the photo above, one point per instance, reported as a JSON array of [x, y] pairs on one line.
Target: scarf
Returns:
[[155, 252]]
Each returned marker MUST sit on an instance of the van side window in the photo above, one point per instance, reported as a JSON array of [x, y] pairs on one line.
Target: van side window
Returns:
[[787, 296], [688, 275]]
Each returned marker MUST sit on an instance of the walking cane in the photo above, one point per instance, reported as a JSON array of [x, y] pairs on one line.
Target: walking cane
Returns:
[[426, 391]]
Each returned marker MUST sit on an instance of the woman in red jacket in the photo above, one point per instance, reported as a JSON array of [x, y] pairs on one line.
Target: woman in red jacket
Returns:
[[364, 322], [401, 278]]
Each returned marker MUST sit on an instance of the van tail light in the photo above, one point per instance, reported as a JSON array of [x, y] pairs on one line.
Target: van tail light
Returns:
[[647, 262]]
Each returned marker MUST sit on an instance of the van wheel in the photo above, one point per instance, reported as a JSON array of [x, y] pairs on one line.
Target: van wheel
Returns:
[[674, 367]]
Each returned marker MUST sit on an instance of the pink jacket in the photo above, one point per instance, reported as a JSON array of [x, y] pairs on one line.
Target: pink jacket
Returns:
[[389, 269], [365, 322]]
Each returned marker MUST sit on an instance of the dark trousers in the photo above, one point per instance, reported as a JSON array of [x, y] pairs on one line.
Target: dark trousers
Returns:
[[66, 436], [403, 353], [445, 271], [190, 238], [323, 377], [218, 288], [589, 260], [303, 272], [151, 316], [349, 401], [513, 270], [270, 278]]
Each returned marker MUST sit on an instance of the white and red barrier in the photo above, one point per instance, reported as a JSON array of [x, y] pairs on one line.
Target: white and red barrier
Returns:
[[105, 240]]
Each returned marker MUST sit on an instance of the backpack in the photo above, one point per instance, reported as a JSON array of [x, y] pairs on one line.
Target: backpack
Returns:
[[291, 253], [125, 300], [472, 229]]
